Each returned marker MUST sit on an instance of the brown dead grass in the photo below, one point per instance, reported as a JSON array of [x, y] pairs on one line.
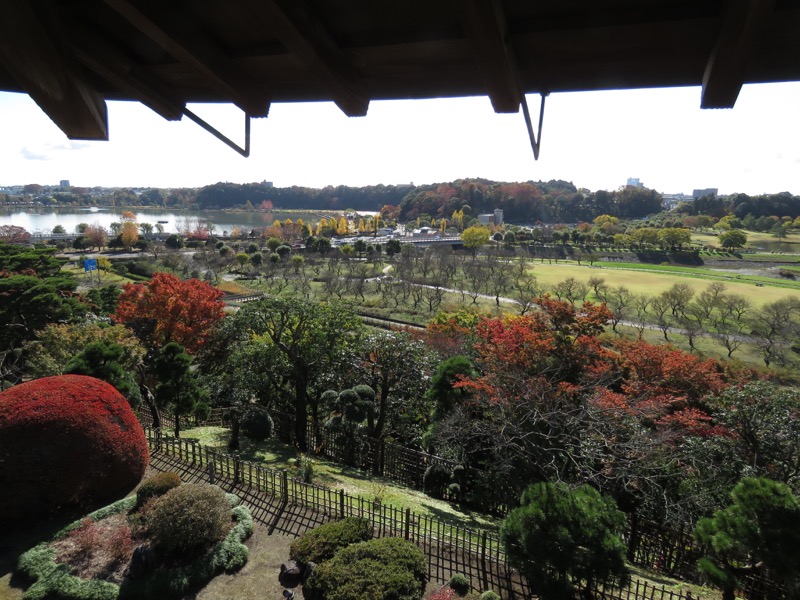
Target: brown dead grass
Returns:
[[98, 549]]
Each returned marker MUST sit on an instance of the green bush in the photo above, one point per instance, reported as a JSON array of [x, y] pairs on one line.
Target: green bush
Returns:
[[460, 584], [156, 486], [436, 478], [189, 518], [489, 595], [323, 542], [257, 425], [380, 569]]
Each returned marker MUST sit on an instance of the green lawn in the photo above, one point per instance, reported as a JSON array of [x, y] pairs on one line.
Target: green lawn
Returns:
[[654, 279], [276, 455]]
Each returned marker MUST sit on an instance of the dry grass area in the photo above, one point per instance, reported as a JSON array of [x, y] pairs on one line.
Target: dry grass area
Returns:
[[98, 549]]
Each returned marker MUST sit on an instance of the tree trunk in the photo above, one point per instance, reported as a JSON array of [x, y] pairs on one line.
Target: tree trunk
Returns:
[[236, 425], [177, 424], [301, 412], [147, 395]]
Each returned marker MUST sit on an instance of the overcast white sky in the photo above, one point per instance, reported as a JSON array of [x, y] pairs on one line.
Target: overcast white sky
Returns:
[[596, 140]]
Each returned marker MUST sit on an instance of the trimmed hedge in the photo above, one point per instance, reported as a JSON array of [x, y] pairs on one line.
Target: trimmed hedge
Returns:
[[323, 542], [380, 569], [66, 441]]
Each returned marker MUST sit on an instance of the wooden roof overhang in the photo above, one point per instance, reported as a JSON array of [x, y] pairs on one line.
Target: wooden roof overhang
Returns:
[[71, 56]]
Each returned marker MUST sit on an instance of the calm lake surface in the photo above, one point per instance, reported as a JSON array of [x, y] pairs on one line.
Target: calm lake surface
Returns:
[[42, 220]]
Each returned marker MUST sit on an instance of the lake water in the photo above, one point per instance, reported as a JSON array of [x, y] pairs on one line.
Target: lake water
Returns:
[[42, 220]]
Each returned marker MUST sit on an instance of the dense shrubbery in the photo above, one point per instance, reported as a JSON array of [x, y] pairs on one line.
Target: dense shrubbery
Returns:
[[188, 518], [156, 486], [325, 541], [68, 440], [385, 568]]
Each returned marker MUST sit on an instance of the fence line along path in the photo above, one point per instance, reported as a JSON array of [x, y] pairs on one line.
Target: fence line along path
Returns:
[[291, 507]]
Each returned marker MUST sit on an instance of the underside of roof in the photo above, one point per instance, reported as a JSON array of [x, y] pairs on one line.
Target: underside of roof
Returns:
[[71, 56]]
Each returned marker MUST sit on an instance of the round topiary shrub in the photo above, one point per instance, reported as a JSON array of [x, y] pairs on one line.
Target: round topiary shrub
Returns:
[[156, 486], [460, 584], [490, 595], [323, 542], [436, 478], [66, 441], [257, 424], [380, 569], [188, 519]]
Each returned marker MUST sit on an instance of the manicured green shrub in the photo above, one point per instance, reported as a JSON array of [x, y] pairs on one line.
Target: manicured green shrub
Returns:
[[489, 595], [380, 569], [323, 542], [189, 518], [436, 479], [257, 425], [156, 486], [460, 584]]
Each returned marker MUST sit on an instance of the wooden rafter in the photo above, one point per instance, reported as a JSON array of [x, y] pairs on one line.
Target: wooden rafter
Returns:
[[111, 64], [308, 41], [33, 56], [743, 28], [485, 25], [203, 58]]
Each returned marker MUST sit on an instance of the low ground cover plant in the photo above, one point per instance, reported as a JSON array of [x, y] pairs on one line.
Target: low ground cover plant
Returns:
[[169, 544]]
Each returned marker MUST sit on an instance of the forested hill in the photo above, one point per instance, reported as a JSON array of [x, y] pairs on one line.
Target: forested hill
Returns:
[[552, 201], [368, 198], [528, 202]]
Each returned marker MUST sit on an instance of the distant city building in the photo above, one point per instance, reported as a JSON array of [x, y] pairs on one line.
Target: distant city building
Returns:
[[704, 192], [671, 201], [495, 218], [64, 183], [267, 184], [634, 182]]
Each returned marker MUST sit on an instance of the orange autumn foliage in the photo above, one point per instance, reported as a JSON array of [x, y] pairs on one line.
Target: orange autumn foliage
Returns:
[[182, 311]]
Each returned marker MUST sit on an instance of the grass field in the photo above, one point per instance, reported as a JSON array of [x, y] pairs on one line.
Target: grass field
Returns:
[[654, 279]]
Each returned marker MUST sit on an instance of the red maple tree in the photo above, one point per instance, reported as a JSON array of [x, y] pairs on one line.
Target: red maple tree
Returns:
[[664, 386], [182, 311]]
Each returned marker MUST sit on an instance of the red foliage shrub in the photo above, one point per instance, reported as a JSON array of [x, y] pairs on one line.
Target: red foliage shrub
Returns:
[[66, 441]]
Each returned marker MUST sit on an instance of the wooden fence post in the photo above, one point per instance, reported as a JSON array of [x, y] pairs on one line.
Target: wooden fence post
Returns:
[[408, 523], [211, 475], [237, 467], [285, 486], [341, 503]]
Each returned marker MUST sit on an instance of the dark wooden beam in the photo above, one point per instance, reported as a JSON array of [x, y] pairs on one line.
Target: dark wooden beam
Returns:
[[35, 58], [199, 55], [111, 64], [306, 39], [485, 25], [743, 27]]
